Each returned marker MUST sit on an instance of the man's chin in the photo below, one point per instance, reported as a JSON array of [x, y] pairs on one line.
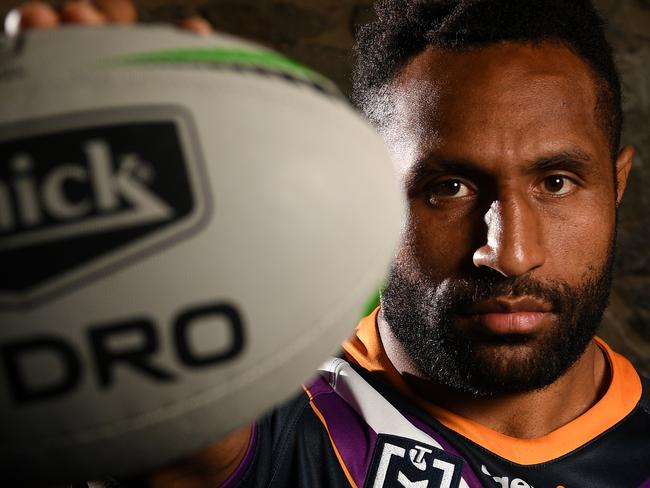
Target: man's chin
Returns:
[[510, 364]]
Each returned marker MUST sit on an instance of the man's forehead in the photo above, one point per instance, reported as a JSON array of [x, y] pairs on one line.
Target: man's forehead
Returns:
[[437, 76], [546, 55], [503, 88]]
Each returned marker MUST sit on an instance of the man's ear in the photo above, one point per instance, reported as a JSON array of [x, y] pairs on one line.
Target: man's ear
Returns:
[[623, 167]]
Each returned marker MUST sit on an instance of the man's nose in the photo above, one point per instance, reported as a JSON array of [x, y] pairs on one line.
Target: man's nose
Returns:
[[514, 242]]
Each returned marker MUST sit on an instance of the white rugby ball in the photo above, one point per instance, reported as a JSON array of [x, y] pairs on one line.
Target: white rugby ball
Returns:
[[188, 227]]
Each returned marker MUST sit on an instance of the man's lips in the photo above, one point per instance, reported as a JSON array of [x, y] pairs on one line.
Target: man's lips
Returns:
[[508, 315]]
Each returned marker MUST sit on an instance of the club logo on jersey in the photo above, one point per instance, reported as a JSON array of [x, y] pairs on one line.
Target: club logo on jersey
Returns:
[[79, 194], [399, 462]]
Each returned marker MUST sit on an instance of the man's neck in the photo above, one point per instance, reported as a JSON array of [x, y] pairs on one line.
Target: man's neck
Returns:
[[523, 415]]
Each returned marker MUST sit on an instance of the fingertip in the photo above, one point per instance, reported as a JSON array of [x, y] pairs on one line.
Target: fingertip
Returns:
[[81, 12], [118, 11], [37, 15], [197, 25]]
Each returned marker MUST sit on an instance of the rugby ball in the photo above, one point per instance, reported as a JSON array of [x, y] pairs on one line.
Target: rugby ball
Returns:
[[188, 227]]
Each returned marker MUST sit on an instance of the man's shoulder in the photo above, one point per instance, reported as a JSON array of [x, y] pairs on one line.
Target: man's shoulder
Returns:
[[291, 448]]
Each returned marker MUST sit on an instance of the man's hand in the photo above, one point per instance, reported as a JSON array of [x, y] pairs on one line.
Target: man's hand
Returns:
[[41, 15]]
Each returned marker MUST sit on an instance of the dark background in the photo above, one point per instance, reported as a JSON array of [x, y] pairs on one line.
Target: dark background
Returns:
[[320, 34]]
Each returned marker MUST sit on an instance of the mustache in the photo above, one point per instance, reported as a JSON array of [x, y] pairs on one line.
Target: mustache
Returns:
[[466, 292]]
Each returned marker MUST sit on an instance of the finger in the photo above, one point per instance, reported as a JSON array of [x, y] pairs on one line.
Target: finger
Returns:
[[198, 25], [118, 11], [82, 12], [37, 15]]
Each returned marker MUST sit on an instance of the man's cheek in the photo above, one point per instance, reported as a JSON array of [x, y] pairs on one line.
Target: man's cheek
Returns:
[[440, 250], [577, 245]]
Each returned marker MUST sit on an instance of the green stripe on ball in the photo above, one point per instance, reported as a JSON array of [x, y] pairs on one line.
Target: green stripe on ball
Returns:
[[234, 57]]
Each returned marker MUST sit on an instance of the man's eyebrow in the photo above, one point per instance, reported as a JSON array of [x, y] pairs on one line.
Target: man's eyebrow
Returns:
[[425, 168], [574, 160]]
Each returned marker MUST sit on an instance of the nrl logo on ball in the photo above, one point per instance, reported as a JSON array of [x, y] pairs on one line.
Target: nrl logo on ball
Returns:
[[82, 193]]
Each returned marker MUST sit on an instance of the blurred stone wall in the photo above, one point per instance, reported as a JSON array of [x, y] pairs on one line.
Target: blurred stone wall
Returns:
[[627, 323], [320, 33]]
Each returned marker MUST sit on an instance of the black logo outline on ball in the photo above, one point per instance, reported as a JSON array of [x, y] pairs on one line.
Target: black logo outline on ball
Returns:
[[84, 194]]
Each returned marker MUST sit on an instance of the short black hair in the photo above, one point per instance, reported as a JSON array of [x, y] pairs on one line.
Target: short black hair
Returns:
[[404, 28]]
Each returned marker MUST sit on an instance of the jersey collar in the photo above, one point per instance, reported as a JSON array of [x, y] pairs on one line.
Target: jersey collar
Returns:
[[622, 395]]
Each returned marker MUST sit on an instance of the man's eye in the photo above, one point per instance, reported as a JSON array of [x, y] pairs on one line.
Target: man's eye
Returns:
[[558, 184], [448, 189]]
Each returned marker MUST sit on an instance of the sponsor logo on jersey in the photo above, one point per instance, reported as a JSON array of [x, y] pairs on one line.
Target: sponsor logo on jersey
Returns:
[[505, 481], [399, 462], [80, 194]]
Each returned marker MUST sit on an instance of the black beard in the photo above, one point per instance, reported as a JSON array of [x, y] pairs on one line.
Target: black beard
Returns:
[[421, 312]]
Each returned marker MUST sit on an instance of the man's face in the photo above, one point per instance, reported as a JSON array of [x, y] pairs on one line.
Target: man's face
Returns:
[[505, 261]]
